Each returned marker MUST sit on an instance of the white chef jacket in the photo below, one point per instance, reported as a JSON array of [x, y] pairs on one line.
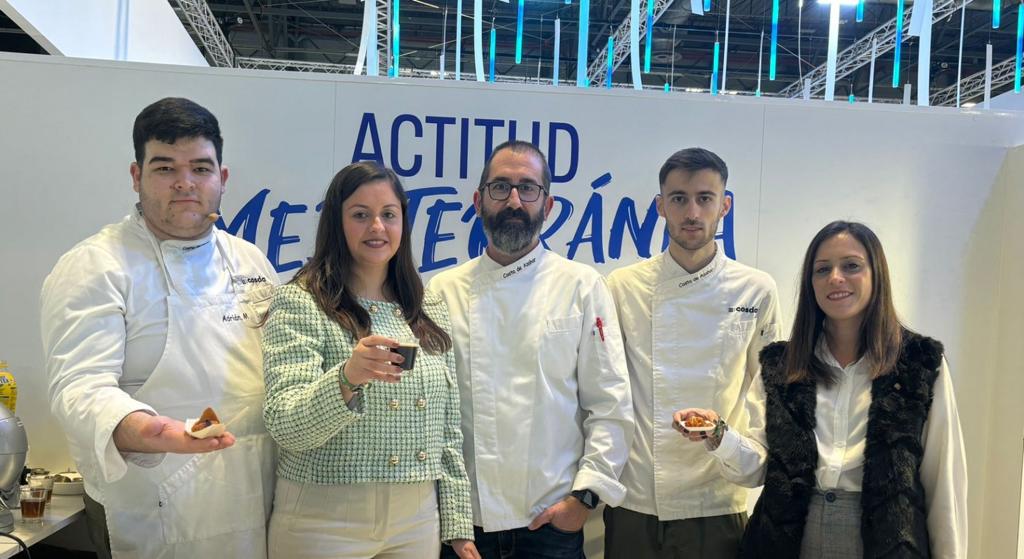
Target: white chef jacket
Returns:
[[841, 427], [544, 391], [104, 326], [692, 340]]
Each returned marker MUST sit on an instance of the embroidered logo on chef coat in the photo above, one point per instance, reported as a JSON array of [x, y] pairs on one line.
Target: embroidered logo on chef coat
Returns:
[[699, 277], [231, 318], [248, 280], [750, 310], [519, 268]]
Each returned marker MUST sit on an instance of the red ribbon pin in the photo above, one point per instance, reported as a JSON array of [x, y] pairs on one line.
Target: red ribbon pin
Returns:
[[600, 327]]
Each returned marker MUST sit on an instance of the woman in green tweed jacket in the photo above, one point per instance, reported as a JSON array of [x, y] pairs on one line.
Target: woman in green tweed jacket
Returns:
[[371, 454]]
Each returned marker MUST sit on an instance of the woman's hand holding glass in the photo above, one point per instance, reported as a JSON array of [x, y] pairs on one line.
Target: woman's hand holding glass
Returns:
[[373, 361]]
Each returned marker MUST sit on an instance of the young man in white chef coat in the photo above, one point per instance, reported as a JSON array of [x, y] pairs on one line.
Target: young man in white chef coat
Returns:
[[546, 410], [693, 322], [145, 324]]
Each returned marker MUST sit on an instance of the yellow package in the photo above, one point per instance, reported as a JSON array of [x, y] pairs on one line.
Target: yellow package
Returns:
[[8, 388]]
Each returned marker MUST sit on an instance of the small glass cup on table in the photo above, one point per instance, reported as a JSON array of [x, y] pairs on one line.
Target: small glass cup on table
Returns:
[[33, 504]]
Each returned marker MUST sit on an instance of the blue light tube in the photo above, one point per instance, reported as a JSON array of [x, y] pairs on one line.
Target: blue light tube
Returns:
[[491, 79], [775, 39], [519, 33], [714, 72], [899, 44]]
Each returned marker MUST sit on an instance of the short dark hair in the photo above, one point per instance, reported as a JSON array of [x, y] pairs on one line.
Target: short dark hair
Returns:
[[174, 118], [692, 160], [518, 146]]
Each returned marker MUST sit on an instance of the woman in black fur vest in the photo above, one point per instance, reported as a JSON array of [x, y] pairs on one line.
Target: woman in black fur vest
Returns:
[[854, 431]]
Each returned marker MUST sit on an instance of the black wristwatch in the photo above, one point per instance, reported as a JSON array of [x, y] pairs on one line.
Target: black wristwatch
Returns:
[[587, 497]]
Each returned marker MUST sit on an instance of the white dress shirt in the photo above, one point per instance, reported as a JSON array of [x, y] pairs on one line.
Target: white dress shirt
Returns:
[[841, 426], [545, 392], [104, 327], [691, 340]]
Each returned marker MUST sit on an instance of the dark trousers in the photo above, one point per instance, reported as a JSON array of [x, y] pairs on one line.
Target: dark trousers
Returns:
[[634, 535], [546, 542], [96, 521]]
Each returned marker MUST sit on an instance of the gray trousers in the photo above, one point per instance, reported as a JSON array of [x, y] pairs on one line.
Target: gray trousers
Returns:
[[833, 526], [634, 535]]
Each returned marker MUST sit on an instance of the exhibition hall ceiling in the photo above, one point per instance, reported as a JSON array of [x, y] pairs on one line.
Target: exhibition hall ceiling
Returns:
[[329, 31]]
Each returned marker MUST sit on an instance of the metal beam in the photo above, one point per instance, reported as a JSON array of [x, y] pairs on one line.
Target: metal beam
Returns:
[[259, 31], [293, 65], [405, 72], [294, 13], [254, 63], [974, 85], [599, 67], [299, 66], [199, 16], [859, 53], [383, 35]]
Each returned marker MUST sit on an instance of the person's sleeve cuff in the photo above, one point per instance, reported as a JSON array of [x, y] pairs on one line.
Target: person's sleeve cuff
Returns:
[[112, 462], [729, 448], [609, 490]]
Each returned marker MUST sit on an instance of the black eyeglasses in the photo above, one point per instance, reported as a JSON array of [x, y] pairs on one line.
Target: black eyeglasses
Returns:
[[499, 191]]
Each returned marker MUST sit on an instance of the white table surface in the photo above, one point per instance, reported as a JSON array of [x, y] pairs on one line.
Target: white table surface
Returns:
[[60, 511]]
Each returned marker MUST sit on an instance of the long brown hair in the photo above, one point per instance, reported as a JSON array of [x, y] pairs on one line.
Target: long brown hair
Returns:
[[881, 332], [327, 274]]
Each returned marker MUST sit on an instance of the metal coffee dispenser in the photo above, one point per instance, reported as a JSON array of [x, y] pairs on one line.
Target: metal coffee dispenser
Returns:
[[13, 448]]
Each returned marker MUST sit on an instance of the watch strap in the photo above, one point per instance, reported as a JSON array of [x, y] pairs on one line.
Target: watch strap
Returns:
[[587, 497]]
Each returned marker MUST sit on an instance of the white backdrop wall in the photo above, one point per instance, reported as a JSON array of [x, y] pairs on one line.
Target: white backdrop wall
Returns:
[[924, 179]]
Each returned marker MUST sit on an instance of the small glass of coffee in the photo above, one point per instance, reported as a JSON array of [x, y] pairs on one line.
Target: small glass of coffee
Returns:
[[407, 348], [33, 504]]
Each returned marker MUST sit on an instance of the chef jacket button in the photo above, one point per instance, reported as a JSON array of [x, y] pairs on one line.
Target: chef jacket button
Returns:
[[393, 460], [897, 386], [393, 404], [421, 456], [373, 309], [421, 403], [830, 496]]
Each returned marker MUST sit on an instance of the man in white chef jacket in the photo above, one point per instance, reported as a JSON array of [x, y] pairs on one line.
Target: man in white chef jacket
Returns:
[[546, 410], [693, 322], [145, 324]]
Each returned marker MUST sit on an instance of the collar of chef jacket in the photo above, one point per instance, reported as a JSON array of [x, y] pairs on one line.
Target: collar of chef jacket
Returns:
[[492, 272], [673, 277]]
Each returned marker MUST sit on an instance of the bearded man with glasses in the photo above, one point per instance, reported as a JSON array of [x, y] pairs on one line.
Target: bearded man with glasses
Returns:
[[547, 417]]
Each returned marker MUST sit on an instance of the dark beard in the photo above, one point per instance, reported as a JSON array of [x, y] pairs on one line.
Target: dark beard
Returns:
[[509, 236]]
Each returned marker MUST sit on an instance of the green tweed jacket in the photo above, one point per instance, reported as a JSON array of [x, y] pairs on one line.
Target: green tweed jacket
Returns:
[[399, 433]]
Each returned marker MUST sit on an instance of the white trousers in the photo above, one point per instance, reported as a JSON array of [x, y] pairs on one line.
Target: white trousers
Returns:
[[354, 521]]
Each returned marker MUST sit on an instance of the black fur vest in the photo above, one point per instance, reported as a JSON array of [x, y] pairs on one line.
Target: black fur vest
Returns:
[[893, 520]]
